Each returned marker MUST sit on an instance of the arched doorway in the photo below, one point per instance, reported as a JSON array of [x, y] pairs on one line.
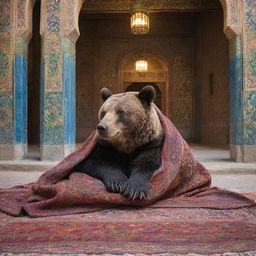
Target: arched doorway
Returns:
[[173, 37], [156, 75]]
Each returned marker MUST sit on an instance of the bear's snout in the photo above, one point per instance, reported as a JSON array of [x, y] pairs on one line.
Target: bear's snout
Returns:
[[102, 129]]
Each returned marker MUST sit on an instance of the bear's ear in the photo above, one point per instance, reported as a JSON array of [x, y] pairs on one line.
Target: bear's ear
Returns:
[[147, 94], [105, 93]]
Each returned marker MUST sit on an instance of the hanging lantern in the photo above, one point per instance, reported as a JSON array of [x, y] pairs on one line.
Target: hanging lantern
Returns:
[[139, 23], [141, 66], [139, 17]]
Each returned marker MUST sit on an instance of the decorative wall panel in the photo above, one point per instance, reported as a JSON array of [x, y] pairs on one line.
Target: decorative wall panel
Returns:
[[59, 30], [182, 93], [23, 33], [250, 45], [6, 97], [6, 117], [234, 12], [5, 46], [15, 33], [149, 76], [250, 118]]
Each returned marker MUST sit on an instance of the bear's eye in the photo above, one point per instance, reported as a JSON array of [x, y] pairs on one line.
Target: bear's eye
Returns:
[[120, 112], [102, 114]]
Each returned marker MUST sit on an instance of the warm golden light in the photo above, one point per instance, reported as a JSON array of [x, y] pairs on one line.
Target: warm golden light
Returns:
[[141, 66], [139, 23]]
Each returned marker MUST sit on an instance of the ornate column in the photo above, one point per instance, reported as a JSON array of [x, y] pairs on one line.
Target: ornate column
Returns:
[[249, 70], [59, 31], [240, 29], [236, 98], [15, 33]]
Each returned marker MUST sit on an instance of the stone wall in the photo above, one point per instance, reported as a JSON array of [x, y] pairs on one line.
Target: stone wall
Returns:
[[211, 87]]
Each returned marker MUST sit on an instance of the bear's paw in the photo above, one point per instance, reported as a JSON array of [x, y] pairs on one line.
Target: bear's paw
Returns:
[[115, 185], [136, 189]]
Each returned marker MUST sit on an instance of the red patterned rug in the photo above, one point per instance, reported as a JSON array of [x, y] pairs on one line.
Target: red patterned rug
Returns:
[[193, 217], [156, 229], [181, 178]]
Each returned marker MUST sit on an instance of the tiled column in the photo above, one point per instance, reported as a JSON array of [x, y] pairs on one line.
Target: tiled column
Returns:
[[236, 98], [249, 70], [243, 80], [15, 33], [59, 31]]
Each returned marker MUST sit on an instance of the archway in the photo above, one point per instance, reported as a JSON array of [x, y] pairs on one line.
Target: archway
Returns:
[[156, 75], [232, 28], [105, 67]]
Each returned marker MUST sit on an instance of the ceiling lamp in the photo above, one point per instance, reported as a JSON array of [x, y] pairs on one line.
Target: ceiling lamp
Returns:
[[139, 23], [139, 17], [141, 66]]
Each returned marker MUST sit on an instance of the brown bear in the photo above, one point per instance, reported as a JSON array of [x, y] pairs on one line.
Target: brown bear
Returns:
[[129, 143]]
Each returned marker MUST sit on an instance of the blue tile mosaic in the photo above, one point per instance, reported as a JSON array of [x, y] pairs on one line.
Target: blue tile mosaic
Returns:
[[20, 100], [236, 95], [68, 80]]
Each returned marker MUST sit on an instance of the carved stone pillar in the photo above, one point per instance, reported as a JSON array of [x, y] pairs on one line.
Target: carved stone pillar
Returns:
[[240, 29], [59, 31], [15, 33], [249, 72], [236, 98]]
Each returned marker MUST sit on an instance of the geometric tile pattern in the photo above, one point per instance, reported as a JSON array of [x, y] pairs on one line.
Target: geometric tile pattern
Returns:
[[5, 60], [234, 12], [54, 118], [14, 18], [59, 34], [5, 42], [21, 13], [250, 45], [6, 117], [52, 112], [250, 72], [6, 97], [5, 69], [5, 17], [182, 93], [52, 42], [250, 118]]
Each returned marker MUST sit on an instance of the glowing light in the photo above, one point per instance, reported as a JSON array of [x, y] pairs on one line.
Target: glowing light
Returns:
[[141, 66], [139, 23]]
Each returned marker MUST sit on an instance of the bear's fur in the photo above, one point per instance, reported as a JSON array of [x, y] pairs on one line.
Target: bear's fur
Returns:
[[129, 143]]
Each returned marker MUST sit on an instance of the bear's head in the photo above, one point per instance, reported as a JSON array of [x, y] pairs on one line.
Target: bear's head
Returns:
[[128, 120]]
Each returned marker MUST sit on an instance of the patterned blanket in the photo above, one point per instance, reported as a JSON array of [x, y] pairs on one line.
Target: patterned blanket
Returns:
[[181, 179]]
